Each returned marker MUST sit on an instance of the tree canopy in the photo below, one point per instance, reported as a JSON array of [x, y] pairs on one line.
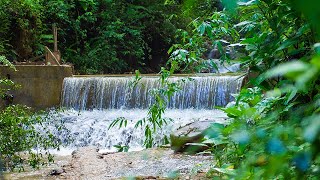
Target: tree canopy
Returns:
[[97, 36]]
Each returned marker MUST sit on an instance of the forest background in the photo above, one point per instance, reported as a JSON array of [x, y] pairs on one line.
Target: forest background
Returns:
[[97, 36]]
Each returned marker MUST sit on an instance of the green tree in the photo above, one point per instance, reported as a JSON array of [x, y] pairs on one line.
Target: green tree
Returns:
[[21, 28]]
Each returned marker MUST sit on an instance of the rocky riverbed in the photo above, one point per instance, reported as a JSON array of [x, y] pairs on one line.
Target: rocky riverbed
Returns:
[[88, 163]]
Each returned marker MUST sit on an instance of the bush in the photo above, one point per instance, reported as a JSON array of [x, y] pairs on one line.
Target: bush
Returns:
[[22, 132], [19, 137]]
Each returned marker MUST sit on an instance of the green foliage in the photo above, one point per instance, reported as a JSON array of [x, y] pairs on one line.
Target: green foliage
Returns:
[[274, 133], [19, 136], [271, 134], [122, 148], [274, 130], [209, 33], [97, 36], [21, 140], [121, 121], [21, 27]]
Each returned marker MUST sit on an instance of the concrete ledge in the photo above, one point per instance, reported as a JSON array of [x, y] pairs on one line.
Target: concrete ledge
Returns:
[[40, 85]]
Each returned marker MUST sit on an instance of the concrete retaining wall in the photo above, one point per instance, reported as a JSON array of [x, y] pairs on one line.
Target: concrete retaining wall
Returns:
[[40, 85]]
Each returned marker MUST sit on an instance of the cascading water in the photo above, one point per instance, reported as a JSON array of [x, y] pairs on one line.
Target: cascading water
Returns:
[[94, 102], [114, 92]]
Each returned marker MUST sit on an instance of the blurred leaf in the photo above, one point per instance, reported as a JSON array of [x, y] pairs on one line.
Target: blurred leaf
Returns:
[[275, 146], [302, 161], [291, 95], [230, 5], [247, 3], [243, 23], [290, 69], [225, 171], [312, 130]]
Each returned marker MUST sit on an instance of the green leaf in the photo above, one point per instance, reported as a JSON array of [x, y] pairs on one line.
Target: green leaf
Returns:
[[204, 27], [225, 171], [248, 3], [286, 44], [306, 77], [233, 112], [316, 59], [243, 23], [249, 41], [290, 69], [291, 95], [311, 132]]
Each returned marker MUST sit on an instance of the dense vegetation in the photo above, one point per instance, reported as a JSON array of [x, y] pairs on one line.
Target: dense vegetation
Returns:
[[275, 120], [97, 36], [22, 142], [275, 128]]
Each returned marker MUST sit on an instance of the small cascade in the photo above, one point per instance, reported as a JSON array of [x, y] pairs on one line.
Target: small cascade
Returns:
[[91, 128], [93, 103], [205, 92]]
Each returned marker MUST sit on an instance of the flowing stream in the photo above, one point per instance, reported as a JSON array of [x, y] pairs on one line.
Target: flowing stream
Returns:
[[92, 103], [114, 92]]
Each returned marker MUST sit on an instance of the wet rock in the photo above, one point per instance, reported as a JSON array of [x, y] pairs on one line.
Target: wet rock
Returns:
[[100, 156], [56, 172], [185, 138]]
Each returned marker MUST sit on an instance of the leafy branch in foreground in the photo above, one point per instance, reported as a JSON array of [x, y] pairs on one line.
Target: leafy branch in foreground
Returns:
[[275, 129], [20, 136]]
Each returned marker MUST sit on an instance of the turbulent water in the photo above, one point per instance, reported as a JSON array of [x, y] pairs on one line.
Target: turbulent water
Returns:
[[90, 128], [93, 103], [114, 92]]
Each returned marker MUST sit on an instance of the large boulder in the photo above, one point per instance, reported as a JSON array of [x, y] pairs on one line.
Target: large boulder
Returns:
[[188, 137]]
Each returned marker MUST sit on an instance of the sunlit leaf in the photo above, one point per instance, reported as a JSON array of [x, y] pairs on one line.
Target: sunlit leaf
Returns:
[[247, 3], [225, 171], [291, 69], [243, 23]]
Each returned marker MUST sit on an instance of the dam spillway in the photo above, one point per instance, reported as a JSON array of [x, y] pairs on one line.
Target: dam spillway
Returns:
[[198, 92], [92, 103]]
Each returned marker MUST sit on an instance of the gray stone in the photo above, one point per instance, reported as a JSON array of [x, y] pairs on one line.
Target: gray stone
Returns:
[[185, 138], [56, 172]]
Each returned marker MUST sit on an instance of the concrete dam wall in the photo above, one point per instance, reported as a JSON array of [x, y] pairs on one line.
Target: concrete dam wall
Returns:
[[40, 85]]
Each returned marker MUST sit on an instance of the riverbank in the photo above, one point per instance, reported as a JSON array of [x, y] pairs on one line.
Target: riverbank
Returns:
[[155, 163]]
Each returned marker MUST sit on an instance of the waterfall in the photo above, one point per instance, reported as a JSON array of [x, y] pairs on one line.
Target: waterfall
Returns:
[[92, 103], [205, 92]]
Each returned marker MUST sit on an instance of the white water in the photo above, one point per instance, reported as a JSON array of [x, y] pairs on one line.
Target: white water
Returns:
[[114, 92], [90, 128], [93, 103]]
